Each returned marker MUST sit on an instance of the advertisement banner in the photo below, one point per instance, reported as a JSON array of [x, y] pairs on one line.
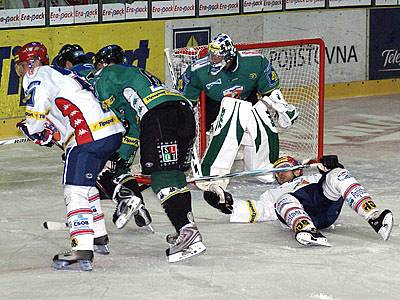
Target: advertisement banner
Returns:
[[301, 4], [61, 15], [191, 37], [113, 12], [137, 10], [261, 5], [22, 17], [171, 9], [142, 41], [387, 2], [86, 13], [218, 7], [384, 44], [343, 3]]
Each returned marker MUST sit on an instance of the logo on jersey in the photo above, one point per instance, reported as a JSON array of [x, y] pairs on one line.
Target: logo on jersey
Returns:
[[169, 153], [233, 92], [106, 104], [211, 84], [253, 76]]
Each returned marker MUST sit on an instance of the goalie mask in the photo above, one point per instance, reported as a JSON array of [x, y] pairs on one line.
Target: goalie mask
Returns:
[[221, 53], [27, 58], [72, 53], [286, 176], [109, 54]]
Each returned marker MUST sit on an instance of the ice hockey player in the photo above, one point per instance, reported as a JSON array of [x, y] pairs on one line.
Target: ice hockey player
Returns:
[[231, 80], [116, 181], [89, 135], [308, 203], [163, 120]]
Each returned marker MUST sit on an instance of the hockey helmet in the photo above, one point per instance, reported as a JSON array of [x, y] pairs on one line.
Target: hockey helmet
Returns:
[[30, 53], [73, 53], [221, 51], [110, 54], [287, 161]]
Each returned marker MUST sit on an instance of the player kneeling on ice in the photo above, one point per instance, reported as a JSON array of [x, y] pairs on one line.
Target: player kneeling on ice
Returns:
[[89, 134], [309, 203]]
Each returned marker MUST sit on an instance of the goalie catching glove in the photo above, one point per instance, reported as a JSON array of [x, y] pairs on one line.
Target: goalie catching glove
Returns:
[[286, 112], [218, 198], [44, 138]]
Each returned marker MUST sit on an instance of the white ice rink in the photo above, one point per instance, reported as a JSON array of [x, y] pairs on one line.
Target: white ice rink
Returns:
[[242, 261]]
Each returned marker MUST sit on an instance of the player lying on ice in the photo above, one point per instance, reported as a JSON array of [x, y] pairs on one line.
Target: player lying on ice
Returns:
[[308, 203]]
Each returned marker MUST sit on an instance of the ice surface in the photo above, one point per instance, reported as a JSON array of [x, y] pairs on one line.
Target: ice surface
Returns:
[[242, 261]]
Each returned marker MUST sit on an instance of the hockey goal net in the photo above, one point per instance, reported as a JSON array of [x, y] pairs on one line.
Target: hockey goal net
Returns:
[[300, 67]]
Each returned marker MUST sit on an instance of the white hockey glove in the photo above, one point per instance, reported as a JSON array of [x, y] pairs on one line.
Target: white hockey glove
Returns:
[[286, 112], [286, 119], [276, 101]]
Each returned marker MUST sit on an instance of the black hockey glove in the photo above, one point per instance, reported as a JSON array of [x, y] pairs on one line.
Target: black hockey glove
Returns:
[[329, 162], [119, 165], [214, 200]]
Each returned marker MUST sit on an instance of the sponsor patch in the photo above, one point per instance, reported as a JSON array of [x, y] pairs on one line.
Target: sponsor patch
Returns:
[[169, 153]]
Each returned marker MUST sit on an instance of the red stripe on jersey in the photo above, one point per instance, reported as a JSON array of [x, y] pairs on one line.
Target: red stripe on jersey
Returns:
[[98, 218], [83, 134], [349, 189], [79, 211], [80, 232], [94, 198]]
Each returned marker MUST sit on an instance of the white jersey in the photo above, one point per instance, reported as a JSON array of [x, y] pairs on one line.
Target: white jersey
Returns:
[[264, 209], [63, 98]]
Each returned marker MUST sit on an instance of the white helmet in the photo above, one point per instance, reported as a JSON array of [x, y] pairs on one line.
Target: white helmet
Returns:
[[221, 51]]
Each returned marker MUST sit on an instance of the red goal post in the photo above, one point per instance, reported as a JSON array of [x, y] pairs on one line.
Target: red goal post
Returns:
[[300, 67]]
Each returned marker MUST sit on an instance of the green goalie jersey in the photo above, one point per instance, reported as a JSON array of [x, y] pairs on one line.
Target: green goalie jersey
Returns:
[[131, 92], [252, 72]]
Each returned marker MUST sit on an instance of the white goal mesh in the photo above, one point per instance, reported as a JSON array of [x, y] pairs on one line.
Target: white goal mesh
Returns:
[[300, 67]]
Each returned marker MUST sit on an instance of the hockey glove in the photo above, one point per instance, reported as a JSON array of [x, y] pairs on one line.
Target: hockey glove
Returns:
[[44, 138], [276, 101], [329, 162], [219, 199], [119, 165]]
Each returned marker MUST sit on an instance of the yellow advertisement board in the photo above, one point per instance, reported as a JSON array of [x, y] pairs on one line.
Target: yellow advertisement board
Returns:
[[143, 43]]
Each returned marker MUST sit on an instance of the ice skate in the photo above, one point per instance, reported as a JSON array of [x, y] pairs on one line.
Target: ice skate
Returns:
[[382, 224], [142, 217], [101, 245], [312, 238], [188, 243], [126, 207], [77, 260]]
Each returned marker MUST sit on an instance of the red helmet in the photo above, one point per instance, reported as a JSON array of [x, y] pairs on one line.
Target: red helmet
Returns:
[[30, 51], [287, 161]]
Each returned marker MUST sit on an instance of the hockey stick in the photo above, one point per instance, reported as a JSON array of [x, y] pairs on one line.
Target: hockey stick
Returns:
[[146, 179], [14, 141]]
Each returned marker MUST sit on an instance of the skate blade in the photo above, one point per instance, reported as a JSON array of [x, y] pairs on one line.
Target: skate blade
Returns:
[[194, 249], [124, 218], [101, 249], [81, 265], [387, 225], [306, 239]]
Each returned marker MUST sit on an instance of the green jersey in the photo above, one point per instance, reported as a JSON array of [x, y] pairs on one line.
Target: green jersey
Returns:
[[252, 72], [131, 92]]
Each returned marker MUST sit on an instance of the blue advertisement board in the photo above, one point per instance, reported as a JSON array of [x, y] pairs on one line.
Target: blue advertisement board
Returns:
[[384, 45]]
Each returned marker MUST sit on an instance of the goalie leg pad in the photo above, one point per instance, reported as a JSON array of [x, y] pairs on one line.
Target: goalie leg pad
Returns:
[[80, 217]]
